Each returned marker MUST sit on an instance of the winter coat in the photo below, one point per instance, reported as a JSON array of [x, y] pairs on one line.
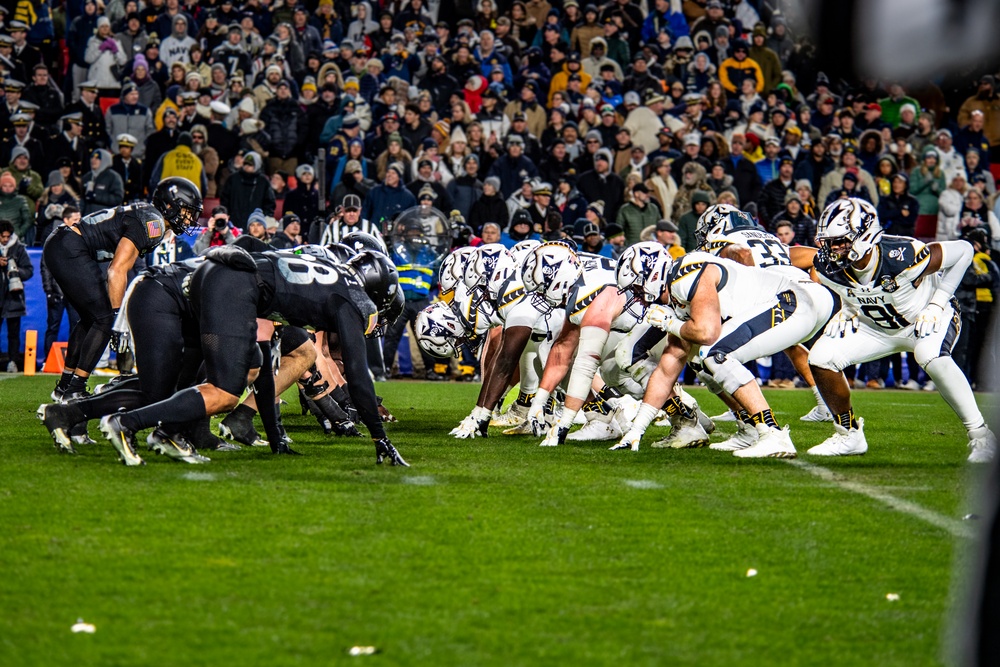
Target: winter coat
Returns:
[[464, 192], [511, 173], [14, 207], [890, 213], [286, 123], [29, 185], [927, 188], [644, 126], [305, 204], [488, 209], [634, 219], [12, 304], [772, 201], [102, 188], [683, 201], [803, 226], [769, 63], [813, 171], [244, 192], [135, 119], [383, 202], [746, 180], [949, 211], [732, 72], [101, 60], [834, 181], [610, 189]]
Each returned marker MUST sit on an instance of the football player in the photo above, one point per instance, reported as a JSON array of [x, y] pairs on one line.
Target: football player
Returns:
[[120, 235], [229, 292], [730, 313], [897, 295]]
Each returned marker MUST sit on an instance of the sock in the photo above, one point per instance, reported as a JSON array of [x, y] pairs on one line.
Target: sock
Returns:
[[744, 417], [675, 407], [846, 419], [524, 399], [64, 380], [598, 405], [185, 405], [76, 384], [609, 393], [764, 417], [110, 402], [819, 397]]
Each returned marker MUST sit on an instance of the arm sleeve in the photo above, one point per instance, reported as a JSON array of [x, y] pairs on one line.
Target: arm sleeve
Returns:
[[350, 329], [263, 387]]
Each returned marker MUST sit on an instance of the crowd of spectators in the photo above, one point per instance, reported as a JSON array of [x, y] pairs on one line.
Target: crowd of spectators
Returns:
[[611, 123]]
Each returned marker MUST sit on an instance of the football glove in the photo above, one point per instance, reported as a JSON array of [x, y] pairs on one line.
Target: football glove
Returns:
[[477, 423], [629, 441], [842, 323], [556, 436], [663, 318], [930, 320], [537, 419], [384, 450]]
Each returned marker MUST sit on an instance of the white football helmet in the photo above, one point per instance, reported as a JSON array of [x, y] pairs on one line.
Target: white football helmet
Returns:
[[481, 265], [522, 248], [721, 219], [453, 268], [847, 231], [439, 330], [474, 313], [549, 273], [643, 271]]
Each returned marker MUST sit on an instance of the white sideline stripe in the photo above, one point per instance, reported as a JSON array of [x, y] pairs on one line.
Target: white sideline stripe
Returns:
[[953, 526]]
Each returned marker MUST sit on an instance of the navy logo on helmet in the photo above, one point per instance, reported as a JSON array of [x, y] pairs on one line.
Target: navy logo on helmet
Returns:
[[549, 268], [647, 260]]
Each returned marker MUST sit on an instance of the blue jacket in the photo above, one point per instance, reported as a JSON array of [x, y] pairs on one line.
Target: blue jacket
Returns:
[[673, 21], [767, 169], [495, 58], [510, 243], [384, 202], [416, 276]]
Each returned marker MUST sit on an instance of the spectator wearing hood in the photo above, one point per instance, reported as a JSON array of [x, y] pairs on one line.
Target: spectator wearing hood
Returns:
[[740, 66], [519, 229], [693, 180], [303, 200], [129, 117], [149, 91], [513, 167], [180, 161], [663, 15], [490, 207], [389, 198], [14, 207], [700, 73], [29, 182], [12, 300], [927, 184], [54, 199], [687, 223], [760, 53], [102, 187], [246, 190], [898, 210]]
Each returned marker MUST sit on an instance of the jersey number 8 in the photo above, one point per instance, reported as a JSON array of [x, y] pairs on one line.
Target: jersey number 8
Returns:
[[304, 270]]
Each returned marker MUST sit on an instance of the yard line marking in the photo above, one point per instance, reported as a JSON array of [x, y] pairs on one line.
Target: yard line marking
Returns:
[[953, 526], [419, 480], [199, 476], [642, 484]]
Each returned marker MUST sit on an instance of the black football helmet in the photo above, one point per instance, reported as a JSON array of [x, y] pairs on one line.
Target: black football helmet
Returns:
[[340, 252], [359, 241], [389, 315], [379, 276], [179, 201]]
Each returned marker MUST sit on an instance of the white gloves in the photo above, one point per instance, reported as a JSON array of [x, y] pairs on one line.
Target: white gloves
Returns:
[[629, 441], [841, 323], [930, 320], [475, 424], [536, 413], [663, 318]]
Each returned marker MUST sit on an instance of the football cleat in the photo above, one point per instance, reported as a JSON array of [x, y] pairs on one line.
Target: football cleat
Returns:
[[122, 439], [54, 416], [524, 428], [597, 431], [706, 422], [726, 416], [982, 445], [238, 426], [384, 450], [514, 416], [774, 443], [686, 434], [843, 442], [174, 447], [346, 428], [819, 413], [745, 436]]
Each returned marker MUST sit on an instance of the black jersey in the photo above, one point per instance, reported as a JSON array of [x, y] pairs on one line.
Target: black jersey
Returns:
[[307, 290], [140, 223], [174, 278]]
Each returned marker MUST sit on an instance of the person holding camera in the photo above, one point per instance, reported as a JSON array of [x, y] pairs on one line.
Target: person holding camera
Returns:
[[219, 231], [15, 269]]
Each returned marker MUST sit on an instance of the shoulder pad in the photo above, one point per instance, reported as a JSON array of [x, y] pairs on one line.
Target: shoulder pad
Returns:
[[232, 256]]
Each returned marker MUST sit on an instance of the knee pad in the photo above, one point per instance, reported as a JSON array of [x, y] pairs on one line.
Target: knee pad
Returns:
[[315, 385], [728, 372]]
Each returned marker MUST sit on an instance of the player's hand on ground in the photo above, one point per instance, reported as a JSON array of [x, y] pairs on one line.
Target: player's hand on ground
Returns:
[[385, 451], [629, 441]]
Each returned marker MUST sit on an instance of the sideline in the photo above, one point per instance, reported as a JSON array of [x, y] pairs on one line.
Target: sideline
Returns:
[[953, 526]]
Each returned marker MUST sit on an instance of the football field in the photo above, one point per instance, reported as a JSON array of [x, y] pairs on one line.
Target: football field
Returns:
[[487, 552]]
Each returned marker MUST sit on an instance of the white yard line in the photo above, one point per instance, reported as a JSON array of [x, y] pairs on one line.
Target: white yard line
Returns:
[[953, 526]]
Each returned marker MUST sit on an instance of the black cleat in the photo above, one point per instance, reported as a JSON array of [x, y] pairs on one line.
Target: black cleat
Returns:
[[59, 424], [346, 428], [384, 450], [174, 446], [122, 439], [238, 426]]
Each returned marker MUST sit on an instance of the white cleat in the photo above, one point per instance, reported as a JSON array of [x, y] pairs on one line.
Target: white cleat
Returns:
[[524, 428], [597, 431], [706, 422], [628, 408], [819, 413], [688, 435], [745, 436], [514, 416], [982, 445], [775, 443], [580, 419], [726, 416], [843, 443]]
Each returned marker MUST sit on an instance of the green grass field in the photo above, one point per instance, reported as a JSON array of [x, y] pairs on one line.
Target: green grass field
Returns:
[[485, 552]]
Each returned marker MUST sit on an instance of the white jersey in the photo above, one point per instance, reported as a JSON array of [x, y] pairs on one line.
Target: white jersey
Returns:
[[512, 308], [588, 286], [898, 289], [742, 289], [767, 249]]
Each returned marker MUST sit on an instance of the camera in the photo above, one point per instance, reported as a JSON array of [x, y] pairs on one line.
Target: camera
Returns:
[[14, 278], [220, 222]]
